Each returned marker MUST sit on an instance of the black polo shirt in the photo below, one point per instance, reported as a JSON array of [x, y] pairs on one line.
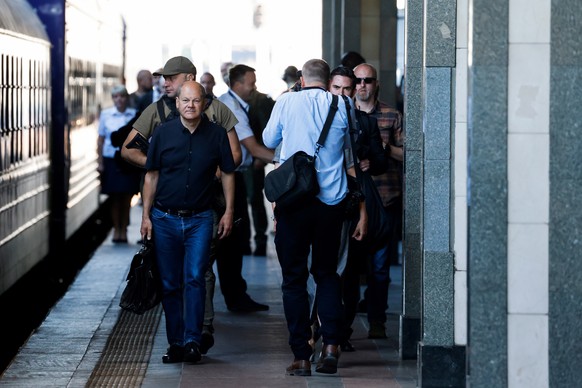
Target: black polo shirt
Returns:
[[187, 163]]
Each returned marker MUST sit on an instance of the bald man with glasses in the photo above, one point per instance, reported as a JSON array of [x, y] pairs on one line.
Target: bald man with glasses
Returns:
[[390, 189]]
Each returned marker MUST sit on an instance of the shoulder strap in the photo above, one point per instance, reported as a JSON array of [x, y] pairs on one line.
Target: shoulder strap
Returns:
[[209, 98], [349, 113], [352, 140], [161, 111], [327, 125]]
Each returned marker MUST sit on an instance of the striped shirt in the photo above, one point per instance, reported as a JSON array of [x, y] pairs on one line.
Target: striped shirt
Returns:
[[390, 124]]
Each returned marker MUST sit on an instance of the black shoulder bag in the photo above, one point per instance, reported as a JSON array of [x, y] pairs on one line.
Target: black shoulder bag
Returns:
[[295, 180], [378, 220]]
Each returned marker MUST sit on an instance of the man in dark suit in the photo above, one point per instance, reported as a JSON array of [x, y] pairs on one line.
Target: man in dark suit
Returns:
[[260, 109]]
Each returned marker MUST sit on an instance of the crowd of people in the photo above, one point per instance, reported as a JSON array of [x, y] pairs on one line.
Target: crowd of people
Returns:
[[198, 160]]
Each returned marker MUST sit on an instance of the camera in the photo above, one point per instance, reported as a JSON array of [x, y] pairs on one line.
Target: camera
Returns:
[[296, 87]]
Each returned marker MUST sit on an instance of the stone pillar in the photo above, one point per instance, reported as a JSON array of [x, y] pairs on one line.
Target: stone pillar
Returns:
[[387, 70], [331, 31], [565, 231], [341, 29], [367, 27], [439, 360], [487, 193], [413, 171], [351, 34]]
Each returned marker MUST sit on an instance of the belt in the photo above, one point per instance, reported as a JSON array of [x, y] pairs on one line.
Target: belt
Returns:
[[180, 212]]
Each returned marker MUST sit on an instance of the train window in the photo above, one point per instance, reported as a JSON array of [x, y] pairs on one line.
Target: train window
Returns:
[[2, 95], [24, 99], [82, 92], [37, 110], [112, 74], [3, 110], [15, 110]]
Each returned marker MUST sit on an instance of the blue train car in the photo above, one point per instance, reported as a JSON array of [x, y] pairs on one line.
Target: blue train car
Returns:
[[59, 61]]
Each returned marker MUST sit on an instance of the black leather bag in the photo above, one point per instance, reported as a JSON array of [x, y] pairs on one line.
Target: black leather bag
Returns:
[[379, 223], [143, 290], [293, 181]]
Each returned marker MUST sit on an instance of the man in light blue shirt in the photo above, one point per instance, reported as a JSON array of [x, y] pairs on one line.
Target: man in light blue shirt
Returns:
[[296, 122]]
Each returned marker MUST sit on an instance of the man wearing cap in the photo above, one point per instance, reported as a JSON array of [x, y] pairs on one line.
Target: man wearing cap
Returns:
[[176, 71]]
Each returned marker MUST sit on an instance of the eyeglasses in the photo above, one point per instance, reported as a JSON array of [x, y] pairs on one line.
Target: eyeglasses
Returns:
[[367, 80]]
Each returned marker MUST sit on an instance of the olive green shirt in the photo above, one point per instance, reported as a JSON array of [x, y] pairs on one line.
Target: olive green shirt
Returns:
[[217, 112]]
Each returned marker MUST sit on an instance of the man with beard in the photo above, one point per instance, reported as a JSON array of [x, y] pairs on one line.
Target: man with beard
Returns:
[[390, 189]]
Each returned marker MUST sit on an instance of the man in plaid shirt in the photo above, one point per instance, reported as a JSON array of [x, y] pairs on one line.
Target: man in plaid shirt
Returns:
[[390, 188]]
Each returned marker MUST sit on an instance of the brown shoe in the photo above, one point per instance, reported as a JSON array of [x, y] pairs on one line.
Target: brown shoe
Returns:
[[328, 359], [299, 368]]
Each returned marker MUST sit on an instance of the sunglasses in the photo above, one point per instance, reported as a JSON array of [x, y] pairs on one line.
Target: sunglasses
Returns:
[[367, 80]]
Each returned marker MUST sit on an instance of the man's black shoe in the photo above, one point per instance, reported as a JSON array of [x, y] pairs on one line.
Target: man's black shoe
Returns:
[[192, 353], [363, 306], [247, 306], [347, 347], [206, 342], [174, 354]]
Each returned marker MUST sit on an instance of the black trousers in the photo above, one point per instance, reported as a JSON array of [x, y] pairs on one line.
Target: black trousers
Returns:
[[229, 251], [255, 183], [317, 227], [355, 265], [376, 266]]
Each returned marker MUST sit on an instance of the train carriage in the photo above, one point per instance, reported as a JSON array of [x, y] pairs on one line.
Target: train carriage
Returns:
[[59, 61], [24, 141]]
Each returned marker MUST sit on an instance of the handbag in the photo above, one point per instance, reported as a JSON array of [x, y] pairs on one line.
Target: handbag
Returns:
[[143, 289], [295, 180], [379, 223]]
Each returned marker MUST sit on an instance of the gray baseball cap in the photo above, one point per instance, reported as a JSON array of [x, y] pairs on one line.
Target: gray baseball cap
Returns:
[[177, 65]]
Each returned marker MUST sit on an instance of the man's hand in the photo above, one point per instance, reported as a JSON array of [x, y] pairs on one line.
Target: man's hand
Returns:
[[362, 227], [146, 228], [225, 226], [365, 164]]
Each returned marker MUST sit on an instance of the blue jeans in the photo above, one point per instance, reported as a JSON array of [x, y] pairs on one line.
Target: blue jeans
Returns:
[[182, 249], [378, 281]]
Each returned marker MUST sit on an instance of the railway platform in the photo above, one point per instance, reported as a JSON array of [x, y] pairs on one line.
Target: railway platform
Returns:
[[87, 340]]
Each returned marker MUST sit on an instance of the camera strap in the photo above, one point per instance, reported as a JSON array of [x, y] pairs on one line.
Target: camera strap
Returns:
[[324, 132]]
